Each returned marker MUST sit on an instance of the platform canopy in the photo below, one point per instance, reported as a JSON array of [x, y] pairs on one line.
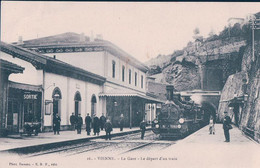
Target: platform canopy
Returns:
[[129, 93]]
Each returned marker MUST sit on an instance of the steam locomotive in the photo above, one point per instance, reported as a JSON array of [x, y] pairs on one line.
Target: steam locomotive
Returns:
[[178, 118]]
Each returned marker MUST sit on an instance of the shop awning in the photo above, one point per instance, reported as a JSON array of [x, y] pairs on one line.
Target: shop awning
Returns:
[[121, 93], [36, 88]]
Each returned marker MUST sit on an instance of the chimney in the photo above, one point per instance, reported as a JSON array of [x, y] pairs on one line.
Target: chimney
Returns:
[[20, 40], [82, 37], [169, 89]]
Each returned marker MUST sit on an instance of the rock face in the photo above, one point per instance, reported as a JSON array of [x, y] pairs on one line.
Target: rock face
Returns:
[[241, 101], [233, 88], [250, 120], [183, 67]]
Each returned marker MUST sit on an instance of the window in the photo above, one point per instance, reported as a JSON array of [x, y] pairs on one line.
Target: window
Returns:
[[113, 69], [93, 105], [123, 73], [142, 81], [130, 76], [135, 78], [56, 96], [77, 100]]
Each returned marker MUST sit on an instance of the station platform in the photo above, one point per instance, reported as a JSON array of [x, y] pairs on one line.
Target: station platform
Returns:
[[202, 149], [16, 141]]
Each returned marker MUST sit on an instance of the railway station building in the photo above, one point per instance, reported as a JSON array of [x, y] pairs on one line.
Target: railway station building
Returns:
[[45, 87], [70, 73]]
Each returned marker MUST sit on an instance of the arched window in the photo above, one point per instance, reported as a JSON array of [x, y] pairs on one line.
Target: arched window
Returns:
[[93, 105], [56, 96], [77, 99]]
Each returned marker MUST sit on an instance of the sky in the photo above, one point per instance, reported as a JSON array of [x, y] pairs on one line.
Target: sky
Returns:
[[143, 29]]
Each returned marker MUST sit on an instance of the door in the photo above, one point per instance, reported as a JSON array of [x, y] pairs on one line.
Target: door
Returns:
[[76, 108], [55, 107], [13, 115]]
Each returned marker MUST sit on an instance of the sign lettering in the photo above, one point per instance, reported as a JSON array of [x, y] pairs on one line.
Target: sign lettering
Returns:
[[30, 96]]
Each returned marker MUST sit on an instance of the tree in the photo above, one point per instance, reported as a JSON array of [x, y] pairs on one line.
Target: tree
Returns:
[[212, 33]]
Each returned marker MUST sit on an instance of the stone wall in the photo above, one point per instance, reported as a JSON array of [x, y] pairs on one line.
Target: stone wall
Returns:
[[250, 122], [232, 89], [249, 112]]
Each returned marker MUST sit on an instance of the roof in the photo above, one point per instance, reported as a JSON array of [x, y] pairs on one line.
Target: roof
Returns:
[[68, 38], [23, 86], [10, 67], [73, 40], [34, 58], [50, 64], [125, 93]]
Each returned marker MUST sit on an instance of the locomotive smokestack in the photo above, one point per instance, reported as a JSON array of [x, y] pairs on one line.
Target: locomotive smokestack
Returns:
[[169, 89]]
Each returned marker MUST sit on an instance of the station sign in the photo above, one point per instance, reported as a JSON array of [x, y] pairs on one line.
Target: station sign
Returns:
[[30, 96]]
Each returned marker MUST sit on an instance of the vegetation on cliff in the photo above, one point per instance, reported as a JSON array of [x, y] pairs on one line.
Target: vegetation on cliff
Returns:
[[183, 65]]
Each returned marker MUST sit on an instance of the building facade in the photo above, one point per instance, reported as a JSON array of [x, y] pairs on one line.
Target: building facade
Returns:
[[124, 91], [47, 86], [68, 74]]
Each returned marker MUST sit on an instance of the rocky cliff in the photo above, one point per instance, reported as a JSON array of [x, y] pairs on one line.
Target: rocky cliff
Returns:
[[243, 103], [183, 67]]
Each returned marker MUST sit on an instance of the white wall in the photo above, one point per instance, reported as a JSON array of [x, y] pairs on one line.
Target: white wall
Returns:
[[90, 61], [29, 76], [101, 63], [69, 87], [118, 75], [93, 89], [51, 82]]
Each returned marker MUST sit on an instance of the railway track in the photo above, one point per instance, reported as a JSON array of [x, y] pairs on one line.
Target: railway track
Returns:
[[130, 142]]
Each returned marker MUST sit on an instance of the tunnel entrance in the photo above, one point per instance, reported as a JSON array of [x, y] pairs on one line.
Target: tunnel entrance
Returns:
[[209, 110]]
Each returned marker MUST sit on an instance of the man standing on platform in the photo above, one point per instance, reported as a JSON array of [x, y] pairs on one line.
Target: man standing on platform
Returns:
[[143, 128], [73, 121], [96, 124], [227, 126], [102, 121], [79, 124], [88, 121], [56, 124], [121, 122], [108, 128]]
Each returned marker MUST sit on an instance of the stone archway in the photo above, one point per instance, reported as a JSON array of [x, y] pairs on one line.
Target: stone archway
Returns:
[[209, 110], [56, 96]]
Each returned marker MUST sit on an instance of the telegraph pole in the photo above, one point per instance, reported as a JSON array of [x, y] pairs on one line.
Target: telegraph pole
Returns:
[[255, 25]]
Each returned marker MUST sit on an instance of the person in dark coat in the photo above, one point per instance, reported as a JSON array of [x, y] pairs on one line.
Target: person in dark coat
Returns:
[[88, 121], [73, 120], [56, 124], [79, 124], [226, 126], [143, 128], [108, 128], [121, 122], [96, 125], [102, 121]]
